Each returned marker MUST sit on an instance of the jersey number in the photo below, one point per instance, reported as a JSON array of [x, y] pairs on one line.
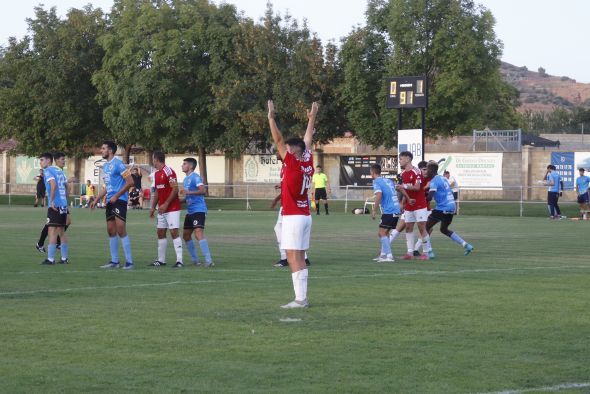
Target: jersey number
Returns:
[[306, 184]]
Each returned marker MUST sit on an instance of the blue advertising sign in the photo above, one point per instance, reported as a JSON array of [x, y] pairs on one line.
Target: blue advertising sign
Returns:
[[565, 165]]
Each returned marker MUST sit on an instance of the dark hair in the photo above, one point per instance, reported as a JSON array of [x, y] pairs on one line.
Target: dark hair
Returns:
[[407, 154], [58, 155], [46, 155], [581, 169], [551, 167], [112, 146], [160, 156], [192, 162], [432, 168], [446, 172], [296, 141], [422, 164], [376, 168], [318, 166]]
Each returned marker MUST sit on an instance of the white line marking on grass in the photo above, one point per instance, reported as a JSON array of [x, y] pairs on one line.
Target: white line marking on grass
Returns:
[[559, 387], [289, 320], [210, 281]]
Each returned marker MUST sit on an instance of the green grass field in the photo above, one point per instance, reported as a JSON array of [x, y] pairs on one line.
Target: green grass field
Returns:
[[511, 316]]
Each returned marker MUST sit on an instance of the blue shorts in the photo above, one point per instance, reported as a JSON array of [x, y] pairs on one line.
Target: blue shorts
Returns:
[[583, 198]]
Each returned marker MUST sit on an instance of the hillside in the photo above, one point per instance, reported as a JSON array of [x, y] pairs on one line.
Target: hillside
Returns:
[[544, 92]]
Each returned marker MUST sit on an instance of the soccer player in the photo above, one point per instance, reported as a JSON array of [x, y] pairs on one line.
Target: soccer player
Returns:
[[57, 206], [413, 183], [40, 195], [442, 193], [166, 199], [386, 196], [295, 183], [555, 183], [423, 167], [582, 183], [194, 191], [117, 179], [319, 187]]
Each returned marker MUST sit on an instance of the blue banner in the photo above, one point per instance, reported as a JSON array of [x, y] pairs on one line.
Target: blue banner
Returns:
[[565, 165]]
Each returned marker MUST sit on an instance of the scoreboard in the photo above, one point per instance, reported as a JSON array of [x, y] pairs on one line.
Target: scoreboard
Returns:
[[407, 92]]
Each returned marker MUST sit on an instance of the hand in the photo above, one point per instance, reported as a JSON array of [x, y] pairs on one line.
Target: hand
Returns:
[[271, 109], [273, 204], [181, 192], [314, 110], [152, 213], [52, 206], [560, 194], [93, 204], [412, 201], [163, 207], [373, 215], [113, 199]]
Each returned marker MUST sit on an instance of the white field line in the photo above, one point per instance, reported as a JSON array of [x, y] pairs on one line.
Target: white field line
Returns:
[[558, 387], [209, 281]]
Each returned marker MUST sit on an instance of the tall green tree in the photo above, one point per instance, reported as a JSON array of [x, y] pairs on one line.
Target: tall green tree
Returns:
[[47, 100], [452, 42]]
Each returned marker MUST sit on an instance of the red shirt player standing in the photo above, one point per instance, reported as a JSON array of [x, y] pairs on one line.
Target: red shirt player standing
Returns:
[[168, 210], [295, 184]]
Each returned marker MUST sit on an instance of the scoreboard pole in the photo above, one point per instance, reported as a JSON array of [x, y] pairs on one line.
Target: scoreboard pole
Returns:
[[423, 130]]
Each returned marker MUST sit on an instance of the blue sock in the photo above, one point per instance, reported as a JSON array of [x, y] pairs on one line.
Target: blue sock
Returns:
[[51, 248], [205, 249], [455, 237], [114, 247], [127, 249], [385, 246], [64, 251], [190, 245]]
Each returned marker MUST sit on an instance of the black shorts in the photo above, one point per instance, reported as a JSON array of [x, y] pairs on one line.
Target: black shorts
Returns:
[[116, 209], [388, 221], [40, 193], [320, 194], [194, 220], [583, 198], [455, 195], [57, 218], [440, 216]]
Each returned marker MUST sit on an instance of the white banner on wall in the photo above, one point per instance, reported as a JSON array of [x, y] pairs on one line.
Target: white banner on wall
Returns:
[[91, 171], [582, 160], [215, 167], [261, 169], [475, 171], [410, 140]]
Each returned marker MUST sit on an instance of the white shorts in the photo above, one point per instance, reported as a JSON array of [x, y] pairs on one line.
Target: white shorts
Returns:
[[419, 215], [170, 220], [295, 232]]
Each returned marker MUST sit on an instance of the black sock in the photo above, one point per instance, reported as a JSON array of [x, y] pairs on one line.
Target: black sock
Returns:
[[326, 206], [43, 236], [317, 207]]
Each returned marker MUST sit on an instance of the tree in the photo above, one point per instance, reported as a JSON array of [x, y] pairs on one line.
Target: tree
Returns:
[[47, 100], [452, 42]]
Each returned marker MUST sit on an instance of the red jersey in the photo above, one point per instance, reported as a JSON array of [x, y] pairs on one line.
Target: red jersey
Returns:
[[295, 183], [165, 182], [412, 177]]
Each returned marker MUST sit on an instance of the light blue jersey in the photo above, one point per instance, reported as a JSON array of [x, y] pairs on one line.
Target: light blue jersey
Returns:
[[114, 178], [389, 201], [194, 203], [57, 175], [556, 178], [443, 194], [582, 183]]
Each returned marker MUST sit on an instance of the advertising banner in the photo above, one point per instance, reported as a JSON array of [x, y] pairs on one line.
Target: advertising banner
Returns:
[[410, 140], [355, 170], [475, 171], [27, 168], [564, 163], [261, 169]]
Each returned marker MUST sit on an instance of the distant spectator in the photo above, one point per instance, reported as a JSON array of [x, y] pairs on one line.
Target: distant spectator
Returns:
[[134, 198], [40, 195], [88, 194]]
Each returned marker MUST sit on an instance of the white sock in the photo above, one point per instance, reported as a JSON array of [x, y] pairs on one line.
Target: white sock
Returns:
[[300, 284], [304, 255], [418, 244], [162, 243], [410, 241], [427, 246], [393, 235], [178, 248], [283, 253]]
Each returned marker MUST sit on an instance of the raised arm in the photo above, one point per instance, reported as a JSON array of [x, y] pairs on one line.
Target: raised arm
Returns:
[[311, 115], [277, 137]]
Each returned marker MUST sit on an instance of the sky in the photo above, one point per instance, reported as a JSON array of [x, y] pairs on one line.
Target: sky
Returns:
[[535, 33]]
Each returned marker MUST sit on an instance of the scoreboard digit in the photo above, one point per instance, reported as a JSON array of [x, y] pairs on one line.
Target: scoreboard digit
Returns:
[[407, 92]]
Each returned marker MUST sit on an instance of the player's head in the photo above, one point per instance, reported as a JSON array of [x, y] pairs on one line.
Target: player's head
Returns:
[[582, 170], [88, 182], [551, 167], [159, 159], [108, 149], [318, 169], [423, 167], [431, 169], [45, 159], [60, 159], [189, 165], [405, 159], [375, 171], [295, 146], [446, 174]]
